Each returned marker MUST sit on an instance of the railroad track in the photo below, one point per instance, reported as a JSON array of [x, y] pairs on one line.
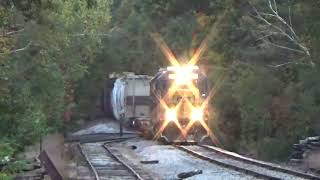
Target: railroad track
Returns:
[[242, 164], [100, 137], [107, 163]]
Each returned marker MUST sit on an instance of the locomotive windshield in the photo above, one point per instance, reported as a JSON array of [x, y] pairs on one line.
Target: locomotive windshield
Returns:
[[182, 78]]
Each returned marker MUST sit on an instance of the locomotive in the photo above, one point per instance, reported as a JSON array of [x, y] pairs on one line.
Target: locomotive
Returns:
[[179, 108], [171, 106]]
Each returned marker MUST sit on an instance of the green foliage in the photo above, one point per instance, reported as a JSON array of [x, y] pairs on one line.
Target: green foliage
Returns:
[[273, 148], [254, 92], [15, 166], [6, 152], [271, 106], [4, 176], [46, 48]]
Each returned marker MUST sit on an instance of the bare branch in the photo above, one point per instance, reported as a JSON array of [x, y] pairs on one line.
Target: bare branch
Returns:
[[280, 65], [275, 6], [87, 34], [270, 6], [12, 32], [290, 19], [284, 64], [268, 35], [284, 47], [20, 49], [275, 10], [278, 17], [272, 25], [285, 23], [281, 27], [268, 14], [305, 49]]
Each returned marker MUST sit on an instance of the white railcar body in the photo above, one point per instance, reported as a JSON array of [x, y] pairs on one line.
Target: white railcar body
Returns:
[[130, 96]]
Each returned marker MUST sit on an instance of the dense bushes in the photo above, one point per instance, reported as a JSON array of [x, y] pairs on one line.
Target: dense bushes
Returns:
[[46, 48]]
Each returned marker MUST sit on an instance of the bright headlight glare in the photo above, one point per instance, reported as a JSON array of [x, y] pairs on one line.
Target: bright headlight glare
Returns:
[[196, 114], [171, 115], [183, 74]]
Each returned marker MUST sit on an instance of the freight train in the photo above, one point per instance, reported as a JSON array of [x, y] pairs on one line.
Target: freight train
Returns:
[[172, 105]]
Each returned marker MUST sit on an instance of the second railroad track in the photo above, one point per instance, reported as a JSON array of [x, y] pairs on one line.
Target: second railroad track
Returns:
[[245, 165]]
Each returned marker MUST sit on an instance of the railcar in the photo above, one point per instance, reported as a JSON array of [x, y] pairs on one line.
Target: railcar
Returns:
[[127, 98]]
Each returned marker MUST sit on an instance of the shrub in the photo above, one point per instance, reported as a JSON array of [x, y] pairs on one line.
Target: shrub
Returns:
[[4, 176], [273, 148]]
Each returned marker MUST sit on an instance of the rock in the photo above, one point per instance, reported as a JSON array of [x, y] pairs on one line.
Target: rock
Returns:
[[303, 141], [36, 165], [296, 161], [133, 147], [296, 155], [304, 147], [150, 162], [311, 147], [297, 146], [28, 167], [31, 175], [315, 138], [185, 175], [46, 177], [317, 144]]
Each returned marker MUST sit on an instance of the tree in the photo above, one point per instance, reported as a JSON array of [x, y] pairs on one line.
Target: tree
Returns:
[[47, 47], [277, 27]]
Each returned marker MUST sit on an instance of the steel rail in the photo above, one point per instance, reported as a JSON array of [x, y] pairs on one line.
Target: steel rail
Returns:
[[99, 137], [259, 163], [123, 163], [89, 163], [226, 165]]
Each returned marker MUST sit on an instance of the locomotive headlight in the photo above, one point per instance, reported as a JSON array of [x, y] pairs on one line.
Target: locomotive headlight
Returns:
[[196, 114], [170, 115], [183, 74]]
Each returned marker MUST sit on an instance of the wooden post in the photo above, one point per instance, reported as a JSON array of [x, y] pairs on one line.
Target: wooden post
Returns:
[[40, 148], [121, 123]]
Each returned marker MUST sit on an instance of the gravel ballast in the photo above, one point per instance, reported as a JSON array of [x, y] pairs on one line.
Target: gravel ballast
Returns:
[[173, 161]]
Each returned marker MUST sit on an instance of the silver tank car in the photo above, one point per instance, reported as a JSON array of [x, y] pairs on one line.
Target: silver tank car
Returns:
[[130, 98]]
